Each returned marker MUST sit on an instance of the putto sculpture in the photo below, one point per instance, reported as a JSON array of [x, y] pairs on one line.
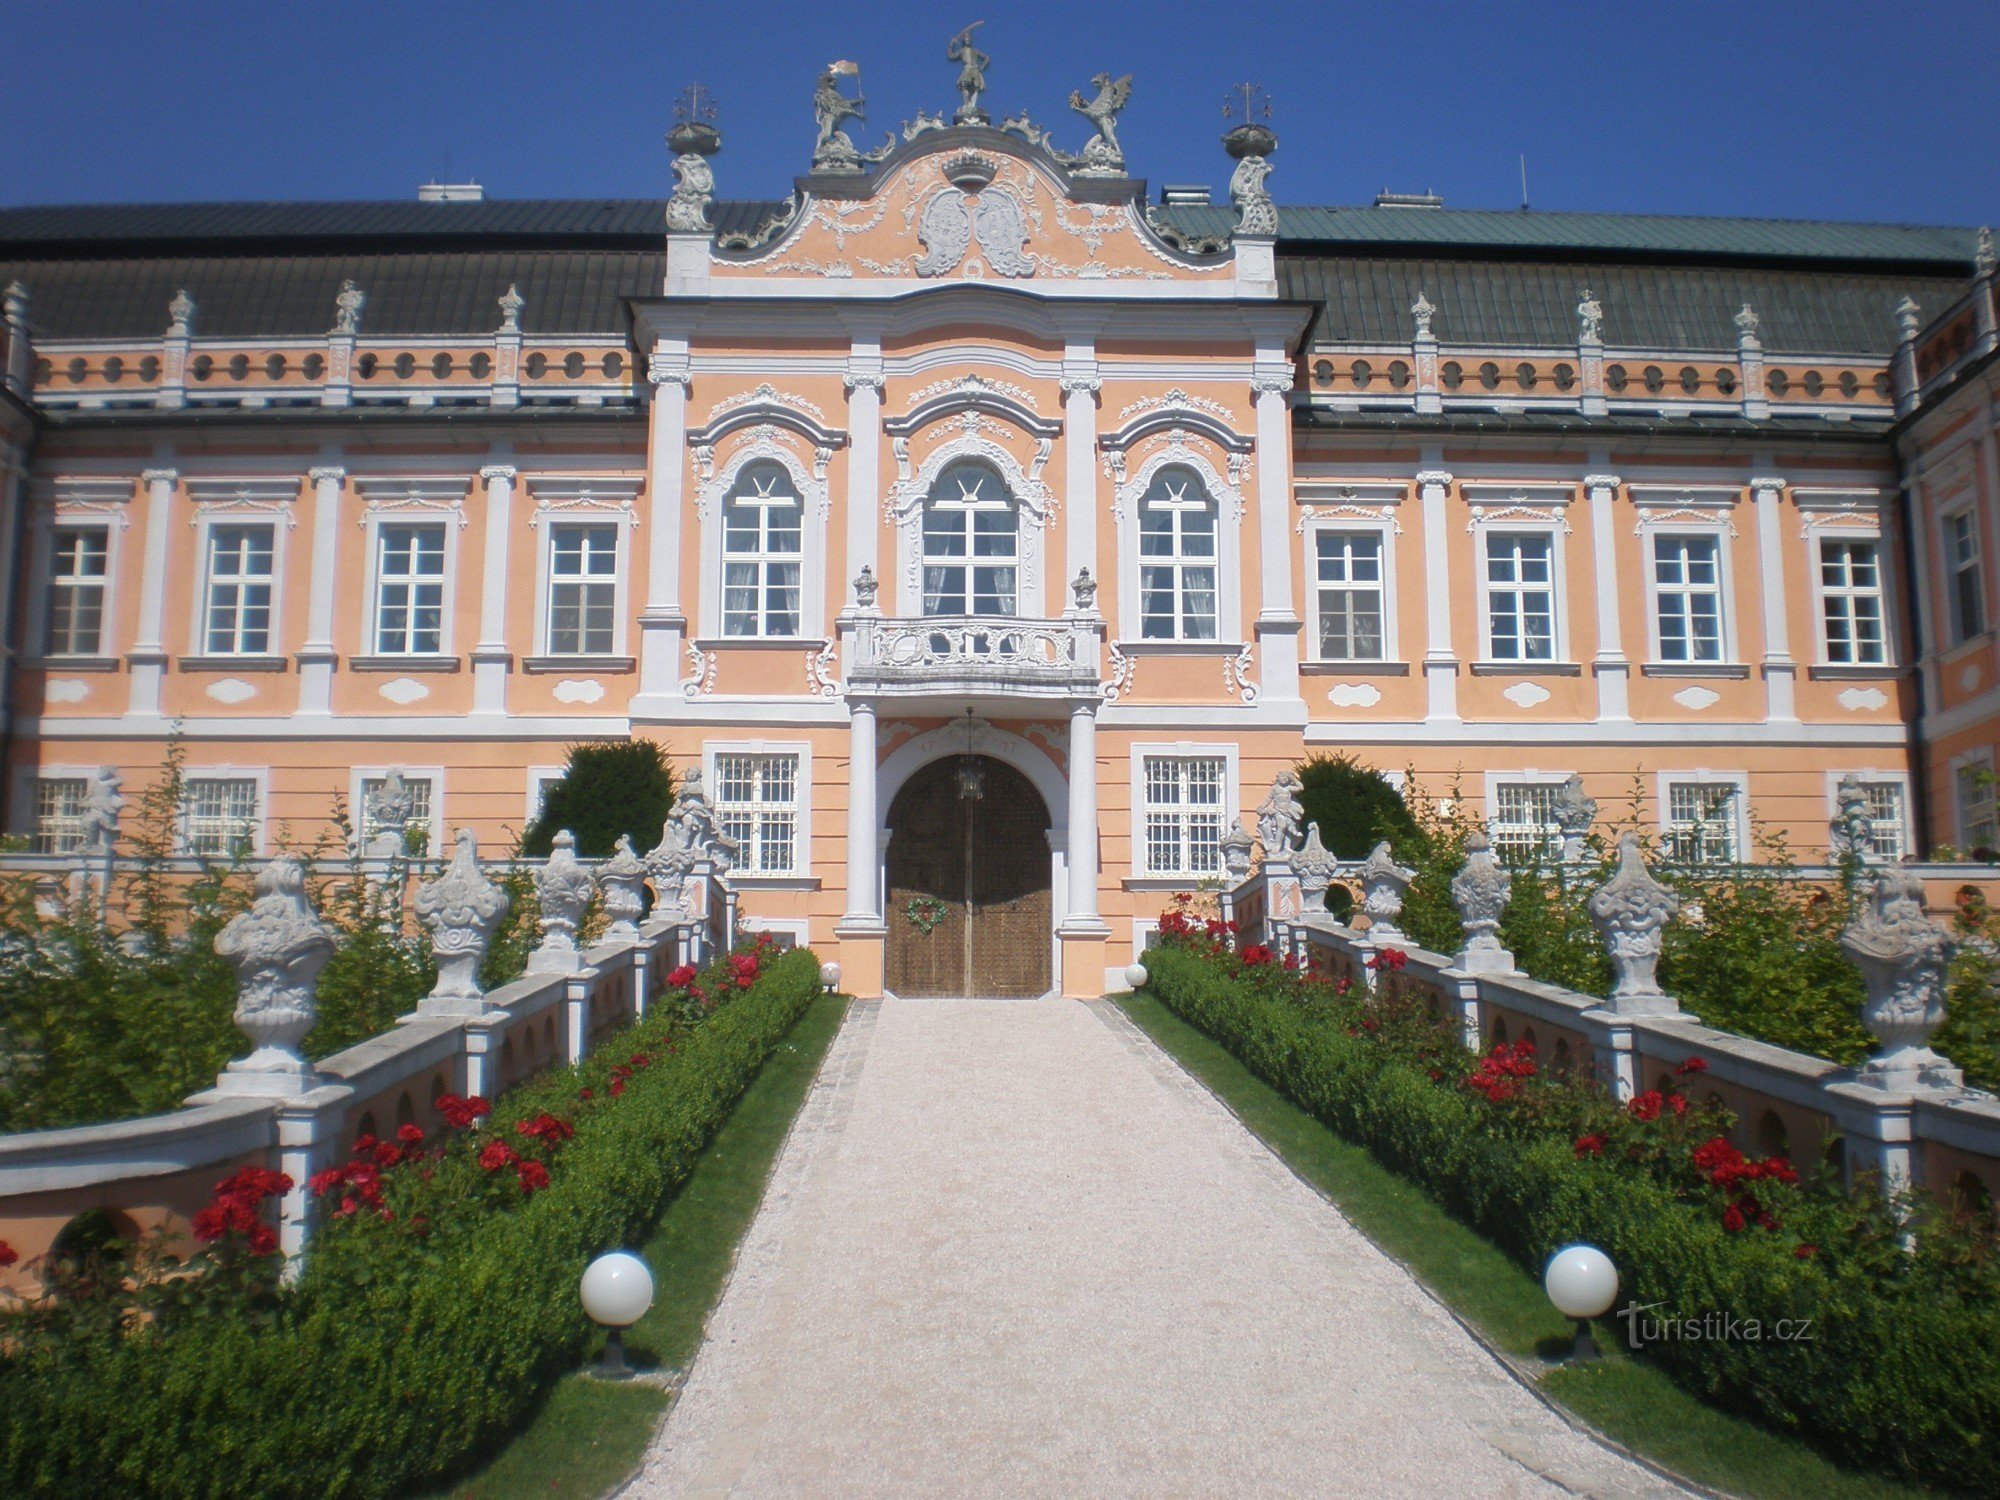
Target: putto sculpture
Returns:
[[347, 305], [622, 878], [1589, 318], [1480, 892], [1631, 911], [1279, 818], [563, 889], [971, 76], [1904, 958], [1102, 156], [1383, 882], [462, 909], [277, 948]]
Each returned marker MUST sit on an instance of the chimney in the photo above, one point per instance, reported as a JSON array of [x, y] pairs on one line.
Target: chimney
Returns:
[[1387, 199], [1184, 195], [451, 192]]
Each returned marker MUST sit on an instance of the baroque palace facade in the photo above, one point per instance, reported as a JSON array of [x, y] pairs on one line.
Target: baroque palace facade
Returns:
[[991, 535]]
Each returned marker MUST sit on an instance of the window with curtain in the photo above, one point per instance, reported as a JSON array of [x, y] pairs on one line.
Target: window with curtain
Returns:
[[971, 543], [763, 540], [1177, 558]]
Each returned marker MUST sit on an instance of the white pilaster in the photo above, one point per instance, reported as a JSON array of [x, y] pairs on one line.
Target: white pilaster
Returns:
[[148, 657], [1440, 661], [863, 858], [1278, 623], [1612, 667], [661, 622], [1082, 851], [864, 459], [1080, 384], [491, 660], [317, 657], [1780, 670]]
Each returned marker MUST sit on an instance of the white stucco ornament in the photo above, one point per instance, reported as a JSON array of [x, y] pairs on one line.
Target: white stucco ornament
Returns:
[[277, 948], [562, 889], [1383, 882], [462, 909], [1697, 698], [1526, 694], [1239, 850], [403, 690], [578, 690], [622, 878], [67, 690], [691, 837], [1631, 911], [1903, 957], [230, 690], [1354, 695], [1480, 892], [1855, 700]]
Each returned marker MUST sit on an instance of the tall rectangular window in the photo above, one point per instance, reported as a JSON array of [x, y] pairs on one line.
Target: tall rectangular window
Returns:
[[78, 562], [59, 813], [763, 548], [1977, 827], [1888, 822], [1850, 588], [1177, 558], [1183, 814], [757, 804], [409, 590], [1521, 595], [1522, 822], [1687, 590], [238, 611], [1701, 822], [583, 590], [1966, 594], [221, 816], [419, 789], [1348, 567]]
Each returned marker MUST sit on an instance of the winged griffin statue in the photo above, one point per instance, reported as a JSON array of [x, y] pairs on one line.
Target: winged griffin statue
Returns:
[[1103, 156]]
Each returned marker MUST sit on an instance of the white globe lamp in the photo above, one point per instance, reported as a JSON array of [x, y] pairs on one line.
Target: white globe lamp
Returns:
[[616, 1291], [829, 977], [1582, 1283], [1135, 976]]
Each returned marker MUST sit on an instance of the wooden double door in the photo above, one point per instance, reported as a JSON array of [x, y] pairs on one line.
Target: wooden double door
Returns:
[[970, 909]]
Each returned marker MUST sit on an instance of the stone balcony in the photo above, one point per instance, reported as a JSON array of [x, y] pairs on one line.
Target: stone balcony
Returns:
[[974, 657]]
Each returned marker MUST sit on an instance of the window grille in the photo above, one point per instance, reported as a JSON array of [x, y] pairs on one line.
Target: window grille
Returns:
[[1522, 822], [1702, 823], [1184, 814], [59, 813], [221, 816], [757, 804]]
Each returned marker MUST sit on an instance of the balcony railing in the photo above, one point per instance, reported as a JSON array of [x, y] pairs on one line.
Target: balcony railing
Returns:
[[975, 653]]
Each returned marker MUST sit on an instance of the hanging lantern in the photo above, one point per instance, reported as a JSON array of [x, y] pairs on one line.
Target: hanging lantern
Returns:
[[971, 774]]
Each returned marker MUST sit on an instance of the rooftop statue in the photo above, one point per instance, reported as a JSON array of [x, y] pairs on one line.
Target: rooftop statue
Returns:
[[971, 76], [834, 151], [1590, 319], [1102, 155], [347, 307]]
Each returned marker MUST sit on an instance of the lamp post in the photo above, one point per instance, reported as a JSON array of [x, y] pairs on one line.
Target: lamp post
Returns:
[[616, 1291], [1582, 1283]]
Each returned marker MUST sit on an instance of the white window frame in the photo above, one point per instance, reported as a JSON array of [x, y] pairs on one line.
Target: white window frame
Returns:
[[1980, 759], [1885, 586], [360, 776], [802, 850], [1482, 533], [762, 560], [1179, 561], [1650, 534], [812, 491], [1231, 806], [206, 525], [969, 561], [1497, 779], [1898, 779], [373, 631], [545, 585], [539, 778], [260, 775], [27, 798], [1738, 780], [1384, 533], [1950, 592], [1229, 506], [46, 585]]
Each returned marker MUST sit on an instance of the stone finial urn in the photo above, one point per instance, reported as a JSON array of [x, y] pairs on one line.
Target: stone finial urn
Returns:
[[1238, 850], [1383, 882], [622, 878], [462, 909], [1631, 911], [1903, 957], [277, 948], [1315, 866], [1573, 813], [1480, 892], [1851, 832], [562, 890]]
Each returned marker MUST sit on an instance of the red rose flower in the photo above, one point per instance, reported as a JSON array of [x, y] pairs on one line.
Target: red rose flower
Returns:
[[1590, 1145], [1693, 1065], [263, 1239], [1646, 1106], [497, 1154], [1257, 955], [682, 977], [586, 1094], [1732, 1219], [617, 1087], [410, 1135], [533, 1176], [1677, 1103], [1805, 1252]]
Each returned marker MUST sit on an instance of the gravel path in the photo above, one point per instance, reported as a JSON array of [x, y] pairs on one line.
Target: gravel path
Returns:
[[1012, 1249]]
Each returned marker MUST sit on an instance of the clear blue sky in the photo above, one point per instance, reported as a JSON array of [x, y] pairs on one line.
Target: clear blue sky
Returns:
[[1822, 110]]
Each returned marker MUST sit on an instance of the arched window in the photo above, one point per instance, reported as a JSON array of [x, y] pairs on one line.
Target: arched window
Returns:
[[762, 549], [972, 543], [1177, 558]]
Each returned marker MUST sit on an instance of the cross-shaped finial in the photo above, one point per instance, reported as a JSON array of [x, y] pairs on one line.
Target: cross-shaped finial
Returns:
[[695, 104], [1246, 103]]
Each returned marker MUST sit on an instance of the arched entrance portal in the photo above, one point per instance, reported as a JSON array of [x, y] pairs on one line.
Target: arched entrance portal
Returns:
[[969, 901]]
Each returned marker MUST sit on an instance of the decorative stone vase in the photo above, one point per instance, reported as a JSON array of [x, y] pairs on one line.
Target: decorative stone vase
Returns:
[[562, 890], [1315, 867], [1383, 882], [1238, 850], [1480, 892], [1631, 911], [622, 878], [1574, 813], [1903, 957], [277, 948], [462, 909]]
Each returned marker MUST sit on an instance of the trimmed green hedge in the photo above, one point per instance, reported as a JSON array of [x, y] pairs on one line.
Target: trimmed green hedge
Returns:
[[376, 1387], [1898, 1374]]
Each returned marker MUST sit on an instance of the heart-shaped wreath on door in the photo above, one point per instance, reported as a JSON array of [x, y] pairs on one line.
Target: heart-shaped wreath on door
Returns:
[[925, 913]]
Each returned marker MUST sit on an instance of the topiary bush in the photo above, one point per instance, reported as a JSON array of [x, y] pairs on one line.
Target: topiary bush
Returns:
[[608, 788], [1354, 807], [1901, 1370]]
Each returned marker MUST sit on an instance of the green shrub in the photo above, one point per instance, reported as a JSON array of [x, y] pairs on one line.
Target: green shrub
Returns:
[[384, 1373], [608, 788], [1902, 1371], [1354, 807]]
